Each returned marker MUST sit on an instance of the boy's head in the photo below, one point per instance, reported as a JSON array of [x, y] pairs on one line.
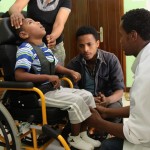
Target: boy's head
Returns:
[[135, 30], [87, 42], [31, 30]]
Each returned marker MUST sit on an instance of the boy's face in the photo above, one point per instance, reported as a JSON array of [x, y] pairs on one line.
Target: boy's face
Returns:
[[87, 46], [32, 29]]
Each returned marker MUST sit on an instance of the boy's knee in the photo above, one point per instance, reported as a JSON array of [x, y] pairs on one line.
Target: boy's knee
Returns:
[[88, 94]]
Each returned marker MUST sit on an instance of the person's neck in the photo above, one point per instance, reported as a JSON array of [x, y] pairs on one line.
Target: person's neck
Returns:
[[92, 61], [35, 41], [141, 46]]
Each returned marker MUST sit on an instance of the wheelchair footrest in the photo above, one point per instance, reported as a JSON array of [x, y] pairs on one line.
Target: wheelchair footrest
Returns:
[[42, 139]]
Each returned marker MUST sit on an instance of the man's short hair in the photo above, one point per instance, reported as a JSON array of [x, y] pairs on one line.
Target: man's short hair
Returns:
[[138, 20], [87, 30]]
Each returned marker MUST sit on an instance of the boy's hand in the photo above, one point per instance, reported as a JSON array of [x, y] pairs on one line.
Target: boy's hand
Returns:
[[55, 81], [16, 20], [75, 75]]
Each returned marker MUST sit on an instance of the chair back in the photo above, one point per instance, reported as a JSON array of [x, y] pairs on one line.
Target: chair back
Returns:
[[8, 49]]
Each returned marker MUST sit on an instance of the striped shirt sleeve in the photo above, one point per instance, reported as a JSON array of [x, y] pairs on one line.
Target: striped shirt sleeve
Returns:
[[24, 58]]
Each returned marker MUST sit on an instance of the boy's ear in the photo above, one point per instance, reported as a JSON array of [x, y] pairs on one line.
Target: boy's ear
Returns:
[[23, 35]]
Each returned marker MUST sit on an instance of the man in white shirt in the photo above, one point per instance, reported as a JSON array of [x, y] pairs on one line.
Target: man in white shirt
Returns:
[[133, 134]]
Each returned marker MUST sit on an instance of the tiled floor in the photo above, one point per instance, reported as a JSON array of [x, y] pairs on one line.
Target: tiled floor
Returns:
[[125, 99]]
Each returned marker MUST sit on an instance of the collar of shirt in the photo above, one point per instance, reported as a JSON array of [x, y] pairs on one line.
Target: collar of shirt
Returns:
[[99, 57], [137, 60]]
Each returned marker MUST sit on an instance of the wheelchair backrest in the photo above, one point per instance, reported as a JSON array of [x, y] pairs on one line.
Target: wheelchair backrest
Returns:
[[8, 49]]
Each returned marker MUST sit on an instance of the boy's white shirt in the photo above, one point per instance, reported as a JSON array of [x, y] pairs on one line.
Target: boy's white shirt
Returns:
[[137, 128]]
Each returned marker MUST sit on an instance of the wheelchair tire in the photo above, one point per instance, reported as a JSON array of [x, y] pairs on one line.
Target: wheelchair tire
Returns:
[[8, 130]]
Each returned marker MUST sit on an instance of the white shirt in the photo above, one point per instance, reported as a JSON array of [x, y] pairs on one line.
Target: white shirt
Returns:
[[137, 128]]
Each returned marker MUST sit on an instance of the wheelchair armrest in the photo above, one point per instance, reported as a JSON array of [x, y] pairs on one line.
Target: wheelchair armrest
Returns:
[[68, 81], [10, 84], [25, 86]]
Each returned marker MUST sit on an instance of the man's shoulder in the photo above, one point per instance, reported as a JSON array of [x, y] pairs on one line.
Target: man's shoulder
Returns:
[[74, 62], [76, 59], [107, 55]]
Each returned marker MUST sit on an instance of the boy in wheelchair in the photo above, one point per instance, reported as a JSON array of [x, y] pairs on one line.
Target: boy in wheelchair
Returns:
[[75, 101]]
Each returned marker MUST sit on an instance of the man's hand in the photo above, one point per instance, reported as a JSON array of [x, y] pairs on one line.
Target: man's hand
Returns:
[[97, 100], [75, 75], [103, 100], [51, 41], [55, 81], [92, 120], [101, 111], [16, 20]]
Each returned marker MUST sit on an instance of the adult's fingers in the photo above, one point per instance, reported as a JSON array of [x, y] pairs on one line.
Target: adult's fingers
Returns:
[[16, 20]]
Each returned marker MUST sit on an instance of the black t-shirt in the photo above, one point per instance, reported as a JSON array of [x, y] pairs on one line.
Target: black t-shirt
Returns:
[[46, 15]]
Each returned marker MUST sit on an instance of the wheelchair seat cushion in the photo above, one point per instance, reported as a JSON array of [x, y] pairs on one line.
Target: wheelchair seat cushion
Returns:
[[54, 115]]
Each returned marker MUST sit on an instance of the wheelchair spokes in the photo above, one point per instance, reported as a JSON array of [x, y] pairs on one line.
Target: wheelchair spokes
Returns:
[[8, 131]]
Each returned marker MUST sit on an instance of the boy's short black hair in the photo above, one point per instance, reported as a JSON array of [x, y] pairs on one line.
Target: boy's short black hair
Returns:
[[138, 20], [87, 30], [17, 32]]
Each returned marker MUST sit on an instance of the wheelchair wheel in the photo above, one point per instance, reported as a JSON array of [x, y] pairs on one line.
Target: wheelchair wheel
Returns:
[[8, 131]]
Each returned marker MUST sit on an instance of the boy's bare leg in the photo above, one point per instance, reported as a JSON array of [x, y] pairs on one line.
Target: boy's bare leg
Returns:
[[75, 129]]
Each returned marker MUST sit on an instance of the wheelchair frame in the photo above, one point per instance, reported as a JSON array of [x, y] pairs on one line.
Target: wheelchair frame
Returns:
[[30, 87], [12, 127]]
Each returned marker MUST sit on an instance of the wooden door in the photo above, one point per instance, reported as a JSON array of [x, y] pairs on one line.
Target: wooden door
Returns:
[[77, 18], [97, 13]]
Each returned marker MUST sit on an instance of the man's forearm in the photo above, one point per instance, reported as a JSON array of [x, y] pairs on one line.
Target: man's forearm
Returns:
[[115, 129], [18, 6], [57, 30], [117, 95], [122, 112]]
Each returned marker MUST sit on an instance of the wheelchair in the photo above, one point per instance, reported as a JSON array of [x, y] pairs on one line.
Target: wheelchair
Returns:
[[23, 123]]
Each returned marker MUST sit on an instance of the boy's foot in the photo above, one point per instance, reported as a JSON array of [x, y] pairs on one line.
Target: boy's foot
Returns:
[[77, 142], [87, 139]]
